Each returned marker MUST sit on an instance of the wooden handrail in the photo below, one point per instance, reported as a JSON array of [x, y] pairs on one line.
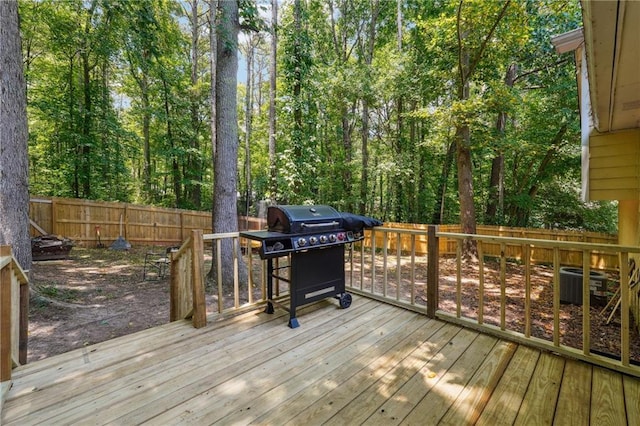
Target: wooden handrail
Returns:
[[542, 243], [14, 303]]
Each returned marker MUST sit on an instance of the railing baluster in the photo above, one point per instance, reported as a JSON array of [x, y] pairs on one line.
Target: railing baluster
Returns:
[[624, 307], [458, 278], [433, 265], [373, 260], [199, 302], [586, 302], [6, 316], [398, 265], [413, 269], [527, 290], [385, 245], [556, 296], [236, 280], [503, 287], [219, 274], [480, 283]]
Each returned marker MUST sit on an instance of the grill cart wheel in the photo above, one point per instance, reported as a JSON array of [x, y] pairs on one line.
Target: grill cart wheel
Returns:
[[345, 300]]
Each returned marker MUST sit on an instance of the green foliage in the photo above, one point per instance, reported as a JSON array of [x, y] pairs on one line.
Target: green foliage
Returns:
[[365, 120], [560, 207]]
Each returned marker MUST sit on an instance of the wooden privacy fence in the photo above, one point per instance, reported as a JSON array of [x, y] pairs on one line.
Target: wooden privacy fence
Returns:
[[88, 222], [14, 304]]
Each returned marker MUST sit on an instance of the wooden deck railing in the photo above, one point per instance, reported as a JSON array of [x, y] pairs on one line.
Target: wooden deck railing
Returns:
[[569, 256], [383, 268], [188, 275], [391, 265], [14, 304]]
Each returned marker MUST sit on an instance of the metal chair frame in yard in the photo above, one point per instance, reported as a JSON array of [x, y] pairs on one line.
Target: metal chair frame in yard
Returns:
[[158, 263]]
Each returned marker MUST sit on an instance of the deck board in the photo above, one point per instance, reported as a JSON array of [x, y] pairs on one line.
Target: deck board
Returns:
[[504, 404], [539, 403], [608, 405], [574, 399], [369, 364], [474, 397]]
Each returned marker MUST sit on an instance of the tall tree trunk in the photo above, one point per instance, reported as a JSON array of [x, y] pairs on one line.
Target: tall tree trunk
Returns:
[[146, 133], [176, 176], [495, 204], [466, 69], [399, 180], [248, 117], [71, 129], [297, 93], [195, 165], [225, 208], [213, 45], [347, 146], [463, 162], [438, 211], [87, 113], [273, 186], [87, 124], [14, 157], [364, 174]]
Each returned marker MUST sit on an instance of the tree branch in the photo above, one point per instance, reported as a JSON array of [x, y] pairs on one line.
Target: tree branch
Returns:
[[483, 46], [542, 68]]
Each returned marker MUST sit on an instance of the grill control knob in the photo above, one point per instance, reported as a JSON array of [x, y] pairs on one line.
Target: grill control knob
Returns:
[[333, 238], [341, 236], [323, 239], [302, 242], [313, 240]]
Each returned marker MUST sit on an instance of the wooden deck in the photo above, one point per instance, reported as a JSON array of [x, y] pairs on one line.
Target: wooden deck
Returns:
[[372, 363]]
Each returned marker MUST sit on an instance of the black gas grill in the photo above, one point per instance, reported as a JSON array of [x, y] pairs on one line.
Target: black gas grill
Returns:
[[314, 237]]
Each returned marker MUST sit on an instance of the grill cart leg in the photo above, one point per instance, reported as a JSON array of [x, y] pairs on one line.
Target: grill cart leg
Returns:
[[345, 300], [293, 322], [269, 308]]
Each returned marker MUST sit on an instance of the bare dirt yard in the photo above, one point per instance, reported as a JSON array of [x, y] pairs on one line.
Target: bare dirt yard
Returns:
[[95, 295], [100, 294]]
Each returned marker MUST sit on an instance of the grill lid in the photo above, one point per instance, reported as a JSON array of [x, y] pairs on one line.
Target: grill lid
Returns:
[[303, 219]]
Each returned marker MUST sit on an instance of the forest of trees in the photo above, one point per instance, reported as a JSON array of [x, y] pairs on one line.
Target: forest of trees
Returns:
[[428, 111]]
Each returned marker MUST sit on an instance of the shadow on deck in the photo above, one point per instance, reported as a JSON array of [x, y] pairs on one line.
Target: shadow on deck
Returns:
[[372, 363]]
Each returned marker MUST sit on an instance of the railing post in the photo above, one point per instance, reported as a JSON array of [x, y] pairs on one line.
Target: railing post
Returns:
[[5, 317], [433, 254], [23, 342], [199, 304]]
